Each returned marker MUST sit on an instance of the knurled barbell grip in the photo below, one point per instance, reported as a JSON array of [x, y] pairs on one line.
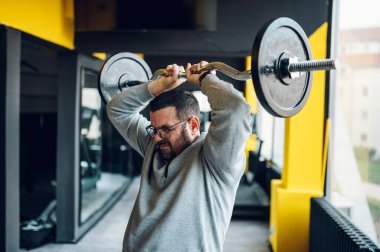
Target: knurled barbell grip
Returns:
[[220, 66]]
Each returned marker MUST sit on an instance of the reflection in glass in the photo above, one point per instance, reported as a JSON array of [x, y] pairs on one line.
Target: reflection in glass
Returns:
[[98, 182]]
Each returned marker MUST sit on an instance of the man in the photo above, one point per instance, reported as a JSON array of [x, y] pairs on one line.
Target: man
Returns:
[[189, 179]]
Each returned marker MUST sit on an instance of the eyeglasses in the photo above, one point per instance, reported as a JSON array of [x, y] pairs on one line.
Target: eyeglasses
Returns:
[[163, 132]]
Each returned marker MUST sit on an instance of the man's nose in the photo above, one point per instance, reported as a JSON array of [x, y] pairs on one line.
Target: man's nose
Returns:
[[157, 137]]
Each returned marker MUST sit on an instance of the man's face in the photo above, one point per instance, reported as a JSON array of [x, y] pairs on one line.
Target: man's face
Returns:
[[180, 137]]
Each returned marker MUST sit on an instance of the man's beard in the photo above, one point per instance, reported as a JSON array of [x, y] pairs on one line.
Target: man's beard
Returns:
[[182, 143]]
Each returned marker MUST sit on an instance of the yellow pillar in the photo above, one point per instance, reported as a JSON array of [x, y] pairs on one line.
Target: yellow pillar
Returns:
[[303, 164], [250, 96]]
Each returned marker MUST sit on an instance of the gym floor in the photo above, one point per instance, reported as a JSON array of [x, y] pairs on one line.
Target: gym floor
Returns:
[[107, 235]]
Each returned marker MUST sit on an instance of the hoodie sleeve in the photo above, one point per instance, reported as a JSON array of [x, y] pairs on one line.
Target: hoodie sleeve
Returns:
[[228, 132], [124, 112]]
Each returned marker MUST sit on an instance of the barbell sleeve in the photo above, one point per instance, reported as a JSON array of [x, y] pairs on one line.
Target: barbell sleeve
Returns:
[[312, 65]]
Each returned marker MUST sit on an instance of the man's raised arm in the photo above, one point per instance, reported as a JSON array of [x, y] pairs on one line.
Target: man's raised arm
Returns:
[[230, 126], [124, 109]]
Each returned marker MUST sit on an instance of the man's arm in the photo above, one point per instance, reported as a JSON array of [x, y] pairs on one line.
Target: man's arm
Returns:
[[124, 112], [230, 126], [124, 109], [229, 129]]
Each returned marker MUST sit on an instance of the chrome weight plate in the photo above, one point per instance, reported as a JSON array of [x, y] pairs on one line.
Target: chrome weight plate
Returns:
[[280, 96], [121, 71]]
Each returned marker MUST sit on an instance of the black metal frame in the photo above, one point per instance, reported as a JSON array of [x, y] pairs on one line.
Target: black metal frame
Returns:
[[332, 49], [67, 147], [69, 226], [10, 49]]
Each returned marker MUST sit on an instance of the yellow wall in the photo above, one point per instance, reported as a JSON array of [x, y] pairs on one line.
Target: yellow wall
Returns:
[[250, 96], [51, 20], [302, 175]]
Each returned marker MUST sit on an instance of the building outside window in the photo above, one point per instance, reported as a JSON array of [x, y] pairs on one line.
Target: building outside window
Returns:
[[354, 175]]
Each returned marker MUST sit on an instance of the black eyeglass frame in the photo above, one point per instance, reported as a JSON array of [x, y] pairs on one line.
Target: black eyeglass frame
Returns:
[[152, 131]]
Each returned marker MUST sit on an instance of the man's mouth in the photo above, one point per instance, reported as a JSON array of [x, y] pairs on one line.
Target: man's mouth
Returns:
[[164, 145]]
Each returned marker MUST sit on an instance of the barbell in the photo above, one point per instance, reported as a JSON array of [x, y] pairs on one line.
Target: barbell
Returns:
[[281, 69]]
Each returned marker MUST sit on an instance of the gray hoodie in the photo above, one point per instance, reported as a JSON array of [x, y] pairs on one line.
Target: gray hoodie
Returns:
[[191, 208]]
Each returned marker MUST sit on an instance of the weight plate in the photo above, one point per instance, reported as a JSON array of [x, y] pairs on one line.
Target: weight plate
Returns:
[[120, 69], [281, 97]]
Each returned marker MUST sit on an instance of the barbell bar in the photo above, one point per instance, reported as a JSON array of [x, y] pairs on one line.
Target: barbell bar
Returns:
[[281, 69], [292, 68]]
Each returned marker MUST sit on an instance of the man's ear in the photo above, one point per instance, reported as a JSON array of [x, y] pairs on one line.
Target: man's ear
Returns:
[[195, 124]]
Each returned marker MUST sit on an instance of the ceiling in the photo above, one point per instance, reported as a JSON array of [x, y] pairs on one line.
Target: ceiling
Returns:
[[227, 28]]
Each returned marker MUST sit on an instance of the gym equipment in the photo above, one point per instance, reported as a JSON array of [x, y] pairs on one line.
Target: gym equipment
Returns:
[[120, 71], [41, 230], [281, 69]]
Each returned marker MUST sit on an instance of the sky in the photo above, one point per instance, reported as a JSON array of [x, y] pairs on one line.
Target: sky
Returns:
[[359, 13]]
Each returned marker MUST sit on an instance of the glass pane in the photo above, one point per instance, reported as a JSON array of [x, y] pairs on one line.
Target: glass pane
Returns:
[[271, 130], [205, 110], [278, 142], [101, 176], [355, 166], [265, 124]]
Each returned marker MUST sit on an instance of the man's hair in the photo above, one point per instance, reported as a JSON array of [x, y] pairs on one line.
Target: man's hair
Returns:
[[185, 103]]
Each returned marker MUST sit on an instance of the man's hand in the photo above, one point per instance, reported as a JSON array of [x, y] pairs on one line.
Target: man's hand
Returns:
[[192, 72], [168, 82]]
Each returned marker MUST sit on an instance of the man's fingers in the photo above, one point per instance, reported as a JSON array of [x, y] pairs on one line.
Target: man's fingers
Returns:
[[203, 63], [192, 67], [195, 68], [198, 67], [169, 70], [188, 70], [175, 72]]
